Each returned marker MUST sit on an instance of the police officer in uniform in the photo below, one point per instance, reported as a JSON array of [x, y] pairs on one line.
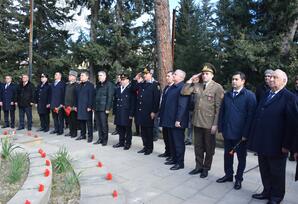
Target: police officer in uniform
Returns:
[[147, 105], [124, 101], [42, 99]]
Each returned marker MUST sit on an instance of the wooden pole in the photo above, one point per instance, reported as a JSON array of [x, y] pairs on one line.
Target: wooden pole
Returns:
[[31, 39]]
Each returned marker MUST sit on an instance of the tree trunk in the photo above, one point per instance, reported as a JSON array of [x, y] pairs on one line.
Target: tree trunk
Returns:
[[163, 39], [94, 20], [288, 38]]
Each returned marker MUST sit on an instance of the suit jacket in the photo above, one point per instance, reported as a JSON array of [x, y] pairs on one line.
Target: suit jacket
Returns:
[[176, 107], [148, 96], [104, 96], [58, 93], [236, 114], [7, 96], [206, 103], [43, 98], [162, 105], [124, 105], [273, 125], [85, 99]]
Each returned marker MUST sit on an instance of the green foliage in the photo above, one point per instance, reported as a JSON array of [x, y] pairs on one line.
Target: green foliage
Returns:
[[71, 180], [61, 161], [7, 147], [18, 166]]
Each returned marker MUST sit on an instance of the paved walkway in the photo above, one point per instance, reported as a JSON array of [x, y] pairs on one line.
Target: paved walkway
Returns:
[[145, 179]]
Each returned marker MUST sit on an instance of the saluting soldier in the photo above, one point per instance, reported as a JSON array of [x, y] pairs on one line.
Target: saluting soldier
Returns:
[[124, 111], [147, 105], [84, 106], [207, 100], [70, 102], [43, 99], [57, 103], [7, 101]]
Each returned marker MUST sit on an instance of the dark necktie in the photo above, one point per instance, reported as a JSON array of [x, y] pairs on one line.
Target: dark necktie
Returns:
[[204, 86], [270, 96], [235, 93]]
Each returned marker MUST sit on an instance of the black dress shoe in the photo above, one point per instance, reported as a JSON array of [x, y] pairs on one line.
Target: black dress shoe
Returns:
[[81, 138], [147, 152], [126, 147], [177, 167], [46, 130], [142, 150], [163, 155], [5, 126], [97, 142], [260, 196], [169, 158], [67, 134], [104, 144], [225, 179], [171, 162], [237, 185], [20, 128], [115, 132], [89, 141], [195, 171], [53, 132], [204, 173], [118, 145], [40, 129], [60, 133]]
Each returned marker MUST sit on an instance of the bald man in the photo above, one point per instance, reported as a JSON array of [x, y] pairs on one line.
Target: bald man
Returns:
[[271, 136]]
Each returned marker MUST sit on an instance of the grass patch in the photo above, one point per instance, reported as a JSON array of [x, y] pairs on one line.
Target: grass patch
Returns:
[[18, 166], [65, 186]]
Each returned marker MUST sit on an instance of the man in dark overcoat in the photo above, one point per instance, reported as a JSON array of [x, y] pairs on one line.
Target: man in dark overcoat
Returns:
[[57, 104], [7, 102], [124, 111], [175, 118], [84, 106], [43, 99], [25, 100], [272, 136], [147, 106]]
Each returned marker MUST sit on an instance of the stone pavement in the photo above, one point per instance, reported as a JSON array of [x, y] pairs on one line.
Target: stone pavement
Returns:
[[145, 179]]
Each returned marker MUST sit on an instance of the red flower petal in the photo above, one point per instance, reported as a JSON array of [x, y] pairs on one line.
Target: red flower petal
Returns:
[[48, 163], [43, 154], [99, 164], [27, 202], [47, 173], [41, 188], [109, 176], [115, 194], [92, 156]]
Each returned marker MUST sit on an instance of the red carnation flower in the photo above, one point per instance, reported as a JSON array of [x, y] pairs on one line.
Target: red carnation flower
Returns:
[[115, 194], [48, 163], [109, 176], [47, 173], [41, 188], [99, 164]]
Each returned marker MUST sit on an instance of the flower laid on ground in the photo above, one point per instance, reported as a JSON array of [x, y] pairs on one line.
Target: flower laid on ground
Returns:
[[115, 194], [109, 176], [47, 172], [48, 163], [41, 188], [99, 164]]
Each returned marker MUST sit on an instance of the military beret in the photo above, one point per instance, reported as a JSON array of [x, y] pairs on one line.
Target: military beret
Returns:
[[124, 76]]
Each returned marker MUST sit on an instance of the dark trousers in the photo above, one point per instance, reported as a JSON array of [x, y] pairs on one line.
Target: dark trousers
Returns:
[[89, 124], [273, 175], [73, 124], [241, 151], [102, 126], [58, 119], [137, 128], [28, 112], [178, 145], [204, 146], [147, 138], [165, 135], [125, 135], [9, 113], [44, 121]]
